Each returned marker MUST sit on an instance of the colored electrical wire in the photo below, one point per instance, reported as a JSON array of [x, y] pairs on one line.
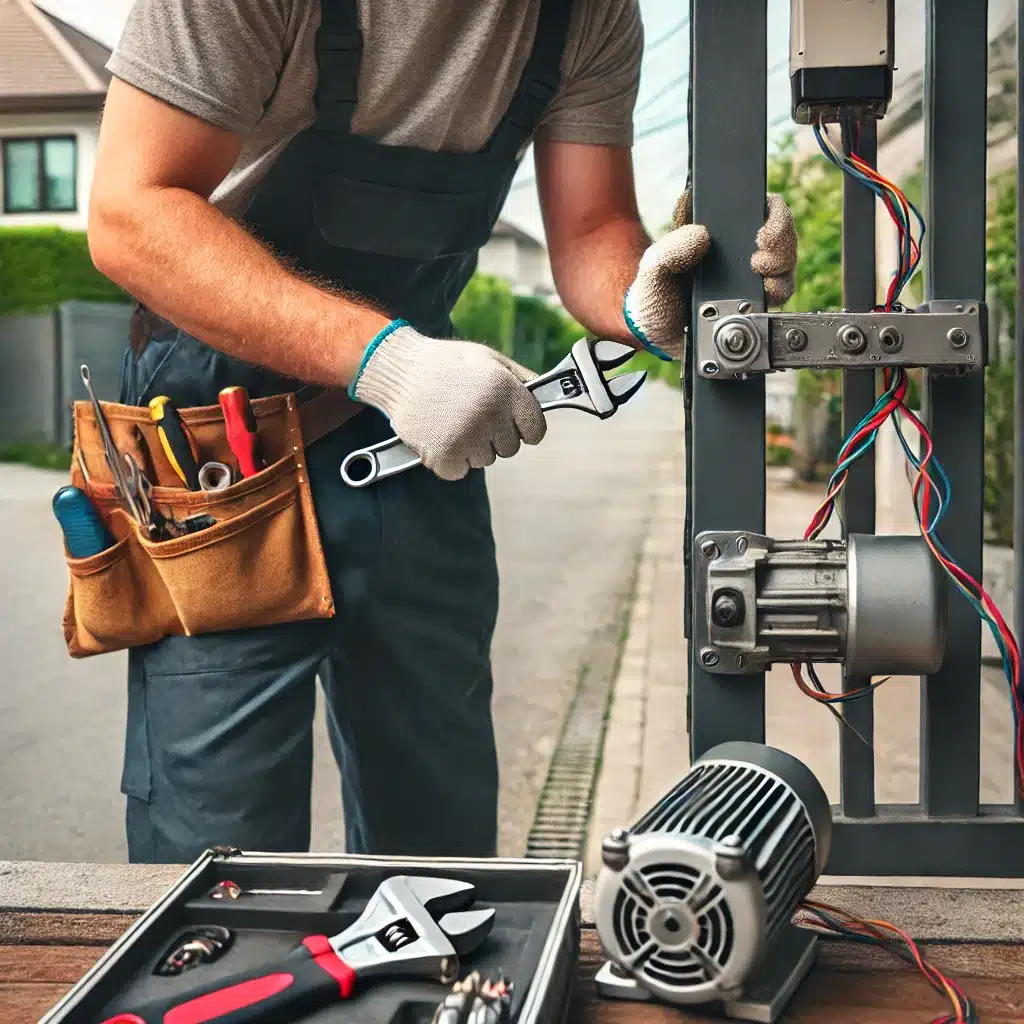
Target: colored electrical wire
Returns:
[[930, 486], [861, 438], [822, 696], [924, 488], [837, 923], [896, 203]]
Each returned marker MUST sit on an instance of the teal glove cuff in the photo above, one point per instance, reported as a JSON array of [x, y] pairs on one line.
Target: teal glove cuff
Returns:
[[640, 336], [371, 348]]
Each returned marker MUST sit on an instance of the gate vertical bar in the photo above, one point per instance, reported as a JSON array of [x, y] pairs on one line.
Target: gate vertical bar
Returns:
[[726, 486], [956, 82], [857, 761]]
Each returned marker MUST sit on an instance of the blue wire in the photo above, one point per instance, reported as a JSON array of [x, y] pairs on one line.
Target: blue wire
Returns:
[[1001, 645], [908, 267]]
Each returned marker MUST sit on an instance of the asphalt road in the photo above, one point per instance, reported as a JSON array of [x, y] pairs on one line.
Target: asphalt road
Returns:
[[569, 519]]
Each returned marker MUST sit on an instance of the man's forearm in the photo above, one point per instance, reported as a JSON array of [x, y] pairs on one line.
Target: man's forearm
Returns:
[[593, 273], [191, 264]]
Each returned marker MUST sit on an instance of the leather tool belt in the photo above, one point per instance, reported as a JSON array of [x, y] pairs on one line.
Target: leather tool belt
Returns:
[[256, 561]]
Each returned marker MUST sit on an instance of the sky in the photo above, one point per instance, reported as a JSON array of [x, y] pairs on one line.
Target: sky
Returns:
[[659, 155]]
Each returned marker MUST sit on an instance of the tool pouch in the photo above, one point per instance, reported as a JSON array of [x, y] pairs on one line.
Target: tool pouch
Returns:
[[260, 564]]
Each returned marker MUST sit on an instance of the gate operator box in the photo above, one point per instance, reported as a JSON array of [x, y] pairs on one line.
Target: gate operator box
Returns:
[[840, 58]]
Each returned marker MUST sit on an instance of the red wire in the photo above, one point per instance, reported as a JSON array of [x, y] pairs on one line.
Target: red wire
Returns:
[[971, 583], [924, 484]]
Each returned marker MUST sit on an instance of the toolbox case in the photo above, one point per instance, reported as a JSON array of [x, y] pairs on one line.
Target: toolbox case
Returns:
[[534, 941]]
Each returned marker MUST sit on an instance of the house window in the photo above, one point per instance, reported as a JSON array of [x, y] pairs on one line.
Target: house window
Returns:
[[40, 175]]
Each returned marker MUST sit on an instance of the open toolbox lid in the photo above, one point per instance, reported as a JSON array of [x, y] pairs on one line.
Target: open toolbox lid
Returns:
[[534, 940]]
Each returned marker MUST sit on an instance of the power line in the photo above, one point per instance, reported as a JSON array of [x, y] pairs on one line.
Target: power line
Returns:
[[684, 22], [667, 88]]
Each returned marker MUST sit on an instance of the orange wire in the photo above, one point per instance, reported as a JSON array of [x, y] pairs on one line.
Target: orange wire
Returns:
[[826, 696], [875, 928]]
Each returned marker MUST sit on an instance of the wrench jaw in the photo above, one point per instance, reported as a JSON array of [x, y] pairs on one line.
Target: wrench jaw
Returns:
[[611, 354], [399, 934], [578, 381], [623, 387]]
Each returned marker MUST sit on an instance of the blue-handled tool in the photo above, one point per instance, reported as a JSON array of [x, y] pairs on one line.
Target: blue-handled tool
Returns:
[[84, 532]]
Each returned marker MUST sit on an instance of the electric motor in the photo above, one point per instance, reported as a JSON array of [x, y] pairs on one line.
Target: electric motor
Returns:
[[691, 900], [874, 603]]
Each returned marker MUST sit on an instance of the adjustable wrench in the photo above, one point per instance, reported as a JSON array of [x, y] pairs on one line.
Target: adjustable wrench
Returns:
[[411, 927], [577, 382]]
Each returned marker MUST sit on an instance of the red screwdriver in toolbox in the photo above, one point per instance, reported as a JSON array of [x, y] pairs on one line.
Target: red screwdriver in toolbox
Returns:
[[240, 423]]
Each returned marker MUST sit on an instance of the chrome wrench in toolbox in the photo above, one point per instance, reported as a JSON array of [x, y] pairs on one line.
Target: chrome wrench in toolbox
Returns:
[[577, 382], [412, 927]]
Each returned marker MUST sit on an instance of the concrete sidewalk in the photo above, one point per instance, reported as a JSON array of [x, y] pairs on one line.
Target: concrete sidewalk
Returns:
[[646, 743]]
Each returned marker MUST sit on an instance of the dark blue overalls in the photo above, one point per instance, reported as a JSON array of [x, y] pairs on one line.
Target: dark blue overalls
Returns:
[[219, 741]]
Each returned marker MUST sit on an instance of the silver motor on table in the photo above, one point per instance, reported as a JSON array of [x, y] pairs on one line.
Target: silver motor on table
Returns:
[[694, 903]]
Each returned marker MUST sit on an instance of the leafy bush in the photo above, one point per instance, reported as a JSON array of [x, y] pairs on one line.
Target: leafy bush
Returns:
[[36, 453], [43, 267], [541, 334], [999, 452], [486, 312], [1002, 246], [999, 389]]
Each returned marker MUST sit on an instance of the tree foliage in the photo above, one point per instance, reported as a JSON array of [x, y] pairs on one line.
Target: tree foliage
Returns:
[[999, 385], [1002, 245], [813, 190]]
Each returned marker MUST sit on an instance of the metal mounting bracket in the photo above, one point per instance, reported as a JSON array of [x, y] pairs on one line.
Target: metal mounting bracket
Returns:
[[947, 335]]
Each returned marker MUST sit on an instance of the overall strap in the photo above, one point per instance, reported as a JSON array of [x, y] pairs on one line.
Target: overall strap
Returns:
[[539, 83], [339, 49]]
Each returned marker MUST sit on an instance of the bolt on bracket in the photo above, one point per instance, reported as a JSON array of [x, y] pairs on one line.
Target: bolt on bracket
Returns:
[[945, 334]]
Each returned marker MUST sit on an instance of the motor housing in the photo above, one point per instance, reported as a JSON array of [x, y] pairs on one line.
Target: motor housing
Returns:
[[875, 603], [692, 899]]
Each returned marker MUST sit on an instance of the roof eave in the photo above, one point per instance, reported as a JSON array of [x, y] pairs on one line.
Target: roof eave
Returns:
[[46, 104]]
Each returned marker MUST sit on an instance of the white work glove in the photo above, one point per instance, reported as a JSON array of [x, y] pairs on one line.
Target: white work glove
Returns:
[[457, 404], [654, 306]]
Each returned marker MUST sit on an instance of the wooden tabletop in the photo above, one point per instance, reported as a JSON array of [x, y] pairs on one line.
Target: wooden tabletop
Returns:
[[45, 954]]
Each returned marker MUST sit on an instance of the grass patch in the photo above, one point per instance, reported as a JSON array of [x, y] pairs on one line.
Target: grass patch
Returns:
[[36, 453]]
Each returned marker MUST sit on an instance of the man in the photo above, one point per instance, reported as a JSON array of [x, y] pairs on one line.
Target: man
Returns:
[[304, 185]]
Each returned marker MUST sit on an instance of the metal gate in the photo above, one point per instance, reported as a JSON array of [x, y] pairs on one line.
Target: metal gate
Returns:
[[947, 833]]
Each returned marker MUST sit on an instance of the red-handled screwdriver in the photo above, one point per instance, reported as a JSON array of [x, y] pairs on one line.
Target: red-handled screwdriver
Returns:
[[241, 429]]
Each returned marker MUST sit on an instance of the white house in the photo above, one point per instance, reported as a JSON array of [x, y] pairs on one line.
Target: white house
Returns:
[[518, 258], [52, 86]]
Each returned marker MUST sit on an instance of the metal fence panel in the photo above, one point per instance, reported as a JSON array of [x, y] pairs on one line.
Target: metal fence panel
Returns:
[[93, 333], [28, 378], [947, 833]]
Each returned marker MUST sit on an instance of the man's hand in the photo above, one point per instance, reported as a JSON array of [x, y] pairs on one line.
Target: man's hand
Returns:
[[457, 404], [654, 308]]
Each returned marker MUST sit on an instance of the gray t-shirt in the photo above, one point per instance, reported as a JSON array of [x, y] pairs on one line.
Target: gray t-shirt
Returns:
[[435, 74]]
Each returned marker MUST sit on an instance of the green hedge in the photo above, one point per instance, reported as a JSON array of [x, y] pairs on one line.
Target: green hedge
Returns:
[[486, 312], [532, 331], [43, 267]]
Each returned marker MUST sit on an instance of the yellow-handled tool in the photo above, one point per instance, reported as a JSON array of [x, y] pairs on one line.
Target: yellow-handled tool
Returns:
[[178, 446]]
